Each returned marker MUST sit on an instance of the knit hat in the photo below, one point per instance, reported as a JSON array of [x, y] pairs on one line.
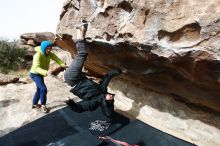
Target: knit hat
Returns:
[[44, 45]]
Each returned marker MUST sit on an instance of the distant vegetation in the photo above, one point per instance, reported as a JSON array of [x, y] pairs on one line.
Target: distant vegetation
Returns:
[[11, 56]]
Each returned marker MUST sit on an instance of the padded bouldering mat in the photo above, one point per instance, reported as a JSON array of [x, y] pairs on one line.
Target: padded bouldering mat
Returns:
[[66, 127], [96, 122], [49, 128], [142, 134], [80, 139]]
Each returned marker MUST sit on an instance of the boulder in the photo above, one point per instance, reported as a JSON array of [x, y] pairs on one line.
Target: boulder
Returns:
[[161, 44], [7, 79], [36, 38]]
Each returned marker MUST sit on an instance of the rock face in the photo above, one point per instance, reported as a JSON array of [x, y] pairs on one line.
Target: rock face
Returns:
[[7, 79], [171, 47], [34, 39]]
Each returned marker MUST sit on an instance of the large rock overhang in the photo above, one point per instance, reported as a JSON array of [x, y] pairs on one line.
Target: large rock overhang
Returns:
[[162, 50]]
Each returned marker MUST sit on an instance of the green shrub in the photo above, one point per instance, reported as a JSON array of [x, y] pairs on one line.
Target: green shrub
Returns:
[[11, 55]]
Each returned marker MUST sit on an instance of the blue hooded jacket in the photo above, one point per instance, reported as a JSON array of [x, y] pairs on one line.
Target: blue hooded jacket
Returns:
[[44, 45]]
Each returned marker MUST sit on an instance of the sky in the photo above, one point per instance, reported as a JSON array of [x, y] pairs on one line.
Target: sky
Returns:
[[23, 16]]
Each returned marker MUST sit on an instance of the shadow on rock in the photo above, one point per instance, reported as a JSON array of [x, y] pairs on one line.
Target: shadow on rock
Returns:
[[6, 103]]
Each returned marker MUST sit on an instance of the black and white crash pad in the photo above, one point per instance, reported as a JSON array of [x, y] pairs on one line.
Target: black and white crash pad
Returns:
[[96, 122], [65, 126]]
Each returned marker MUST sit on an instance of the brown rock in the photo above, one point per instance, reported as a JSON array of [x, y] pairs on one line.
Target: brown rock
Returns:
[[37, 38], [31, 42], [7, 79], [162, 45]]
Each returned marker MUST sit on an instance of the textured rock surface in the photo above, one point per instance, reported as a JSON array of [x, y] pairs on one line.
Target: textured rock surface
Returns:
[[7, 79], [171, 47], [34, 39], [183, 120]]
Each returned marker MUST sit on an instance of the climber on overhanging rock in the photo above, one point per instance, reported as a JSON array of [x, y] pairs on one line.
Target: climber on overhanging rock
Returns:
[[92, 94]]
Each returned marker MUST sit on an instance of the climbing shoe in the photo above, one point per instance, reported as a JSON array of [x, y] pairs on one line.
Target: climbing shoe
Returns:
[[44, 109], [36, 106]]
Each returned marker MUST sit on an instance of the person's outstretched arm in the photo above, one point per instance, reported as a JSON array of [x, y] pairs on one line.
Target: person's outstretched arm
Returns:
[[57, 60]]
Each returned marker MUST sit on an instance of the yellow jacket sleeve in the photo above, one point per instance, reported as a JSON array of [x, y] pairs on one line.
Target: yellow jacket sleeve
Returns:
[[57, 59]]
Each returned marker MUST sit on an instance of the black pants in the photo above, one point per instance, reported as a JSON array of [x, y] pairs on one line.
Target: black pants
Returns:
[[74, 72]]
